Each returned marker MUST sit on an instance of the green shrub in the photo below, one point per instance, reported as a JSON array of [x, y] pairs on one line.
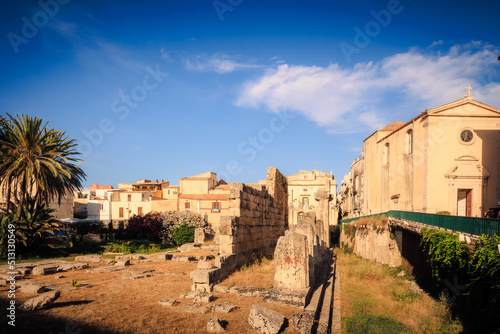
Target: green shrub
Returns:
[[447, 213], [448, 256], [173, 219], [134, 246], [33, 228], [183, 234]]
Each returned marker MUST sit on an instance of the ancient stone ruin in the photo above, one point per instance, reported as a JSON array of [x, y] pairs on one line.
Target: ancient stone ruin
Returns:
[[258, 216]]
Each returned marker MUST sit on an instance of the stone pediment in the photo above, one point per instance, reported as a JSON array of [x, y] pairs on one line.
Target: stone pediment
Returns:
[[467, 158], [465, 107], [467, 171]]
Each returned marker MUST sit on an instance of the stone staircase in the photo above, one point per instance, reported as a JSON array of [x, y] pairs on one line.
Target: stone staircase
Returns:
[[322, 313]]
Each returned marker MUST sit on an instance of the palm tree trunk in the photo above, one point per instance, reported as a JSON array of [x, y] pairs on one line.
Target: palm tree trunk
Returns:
[[22, 194], [9, 192]]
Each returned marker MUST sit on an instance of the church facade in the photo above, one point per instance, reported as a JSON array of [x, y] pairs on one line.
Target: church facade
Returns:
[[445, 159]]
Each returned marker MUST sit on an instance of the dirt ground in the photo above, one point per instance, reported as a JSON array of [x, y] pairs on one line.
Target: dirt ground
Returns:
[[116, 305]]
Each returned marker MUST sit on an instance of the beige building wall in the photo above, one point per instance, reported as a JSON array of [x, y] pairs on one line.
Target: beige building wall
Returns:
[[302, 188], [125, 204], [171, 192], [198, 184], [204, 195], [64, 208], [445, 159]]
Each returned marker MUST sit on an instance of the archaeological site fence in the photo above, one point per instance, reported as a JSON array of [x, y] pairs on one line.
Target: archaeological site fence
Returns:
[[471, 225]]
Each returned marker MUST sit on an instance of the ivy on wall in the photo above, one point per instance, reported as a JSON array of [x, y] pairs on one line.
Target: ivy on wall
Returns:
[[475, 268]]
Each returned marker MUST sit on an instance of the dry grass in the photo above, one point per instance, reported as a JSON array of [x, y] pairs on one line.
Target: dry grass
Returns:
[[114, 305], [372, 296], [373, 221], [259, 274]]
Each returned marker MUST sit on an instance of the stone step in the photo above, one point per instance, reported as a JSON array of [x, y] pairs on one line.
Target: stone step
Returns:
[[311, 315], [336, 317], [325, 317]]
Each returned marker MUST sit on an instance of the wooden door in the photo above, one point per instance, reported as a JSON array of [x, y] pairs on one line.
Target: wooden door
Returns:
[[469, 203]]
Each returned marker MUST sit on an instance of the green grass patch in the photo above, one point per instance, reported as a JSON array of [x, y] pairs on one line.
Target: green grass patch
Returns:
[[69, 253], [374, 324], [136, 246]]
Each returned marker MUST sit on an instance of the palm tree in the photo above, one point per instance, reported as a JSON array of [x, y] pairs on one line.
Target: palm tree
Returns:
[[33, 225], [37, 161]]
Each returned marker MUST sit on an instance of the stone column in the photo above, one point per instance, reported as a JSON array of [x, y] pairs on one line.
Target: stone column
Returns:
[[323, 214], [291, 262]]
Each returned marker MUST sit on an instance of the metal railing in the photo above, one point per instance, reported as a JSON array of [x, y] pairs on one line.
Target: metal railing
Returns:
[[471, 225]]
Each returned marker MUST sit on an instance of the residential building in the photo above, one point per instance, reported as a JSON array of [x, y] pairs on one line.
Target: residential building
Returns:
[[99, 202], [138, 198], [205, 195]]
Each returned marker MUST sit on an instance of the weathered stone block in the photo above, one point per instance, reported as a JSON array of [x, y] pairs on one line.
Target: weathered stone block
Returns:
[[189, 247], [193, 308], [122, 263], [41, 301], [204, 265], [166, 256], [88, 258], [32, 288], [214, 325], [265, 320], [168, 302], [44, 270], [205, 276], [291, 262], [73, 265], [138, 257], [224, 308], [183, 258]]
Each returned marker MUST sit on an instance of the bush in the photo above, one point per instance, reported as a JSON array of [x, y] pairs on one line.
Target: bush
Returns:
[[183, 234], [173, 219], [446, 213], [148, 227]]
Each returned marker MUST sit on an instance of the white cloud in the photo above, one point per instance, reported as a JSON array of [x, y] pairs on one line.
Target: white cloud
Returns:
[[166, 56], [219, 63], [436, 43], [370, 95]]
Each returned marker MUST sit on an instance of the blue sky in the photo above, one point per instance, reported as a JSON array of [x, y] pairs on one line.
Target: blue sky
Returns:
[[165, 89]]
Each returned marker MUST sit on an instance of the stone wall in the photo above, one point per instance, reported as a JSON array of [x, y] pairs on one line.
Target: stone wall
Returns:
[[258, 216], [377, 244]]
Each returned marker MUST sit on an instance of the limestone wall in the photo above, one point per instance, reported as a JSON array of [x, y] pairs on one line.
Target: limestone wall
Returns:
[[258, 216], [375, 244]]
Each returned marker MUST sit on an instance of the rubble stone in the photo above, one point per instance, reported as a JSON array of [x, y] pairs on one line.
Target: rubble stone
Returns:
[[265, 320], [41, 301], [33, 288], [214, 325], [168, 302], [224, 308]]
